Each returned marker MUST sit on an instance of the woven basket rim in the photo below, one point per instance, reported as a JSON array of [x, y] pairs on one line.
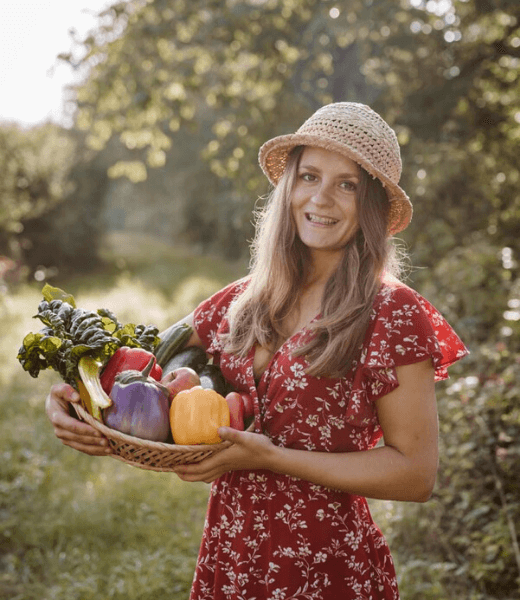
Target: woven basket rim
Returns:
[[148, 444]]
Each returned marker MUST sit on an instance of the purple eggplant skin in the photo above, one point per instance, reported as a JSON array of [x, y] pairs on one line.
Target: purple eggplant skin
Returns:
[[140, 408]]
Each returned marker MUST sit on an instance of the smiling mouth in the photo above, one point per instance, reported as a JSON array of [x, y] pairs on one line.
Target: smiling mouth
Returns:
[[320, 220]]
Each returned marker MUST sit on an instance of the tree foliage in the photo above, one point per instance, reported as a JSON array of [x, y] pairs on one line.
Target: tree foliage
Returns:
[[443, 74], [228, 73], [35, 165], [50, 198]]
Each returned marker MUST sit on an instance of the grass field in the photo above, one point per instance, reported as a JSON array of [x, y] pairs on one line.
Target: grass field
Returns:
[[74, 527]]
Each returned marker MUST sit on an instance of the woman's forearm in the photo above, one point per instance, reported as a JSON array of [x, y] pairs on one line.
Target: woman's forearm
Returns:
[[383, 473], [404, 468]]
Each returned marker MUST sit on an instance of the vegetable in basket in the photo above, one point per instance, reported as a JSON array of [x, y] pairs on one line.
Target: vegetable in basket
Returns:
[[92, 395], [196, 414], [182, 378], [192, 357], [247, 402], [70, 334], [126, 359], [140, 405], [211, 378], [172, 342], [236, 410]]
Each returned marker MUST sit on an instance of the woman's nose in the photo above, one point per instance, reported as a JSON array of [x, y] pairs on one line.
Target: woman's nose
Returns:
[[322, 196]]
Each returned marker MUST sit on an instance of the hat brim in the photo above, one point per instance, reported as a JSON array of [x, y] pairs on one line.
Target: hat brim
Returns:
[[273, 157]]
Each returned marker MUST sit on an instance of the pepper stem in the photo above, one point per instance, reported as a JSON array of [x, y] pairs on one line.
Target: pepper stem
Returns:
[[148, 369], [132, 375]]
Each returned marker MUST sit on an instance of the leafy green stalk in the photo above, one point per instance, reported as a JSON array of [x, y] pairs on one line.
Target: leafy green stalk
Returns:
[[70, 333]]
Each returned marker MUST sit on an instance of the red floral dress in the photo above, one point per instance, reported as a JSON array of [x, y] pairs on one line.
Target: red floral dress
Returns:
[[275, 537]]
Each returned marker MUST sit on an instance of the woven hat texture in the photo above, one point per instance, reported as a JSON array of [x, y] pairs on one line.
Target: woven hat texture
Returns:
[[357, 132]]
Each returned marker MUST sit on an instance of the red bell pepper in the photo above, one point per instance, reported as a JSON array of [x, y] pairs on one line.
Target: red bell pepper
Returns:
[[127, 359], [247, 401], [236, 410]]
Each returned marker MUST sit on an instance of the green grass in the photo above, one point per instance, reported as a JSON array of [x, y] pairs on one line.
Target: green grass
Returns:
[[74, 527]]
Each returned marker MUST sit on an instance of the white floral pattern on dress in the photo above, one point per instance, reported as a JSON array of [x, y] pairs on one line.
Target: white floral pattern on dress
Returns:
[[273, 537]]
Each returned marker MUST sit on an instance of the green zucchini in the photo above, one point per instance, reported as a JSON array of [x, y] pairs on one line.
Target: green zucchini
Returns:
[[173, 340], [193, 357]]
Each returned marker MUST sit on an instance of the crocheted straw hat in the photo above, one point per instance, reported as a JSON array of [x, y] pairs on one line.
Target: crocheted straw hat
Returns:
[[357, 132]]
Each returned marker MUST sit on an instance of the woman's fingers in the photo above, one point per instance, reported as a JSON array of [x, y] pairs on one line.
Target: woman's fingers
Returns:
[[207, 470], [73, 432], [207, 476], [95, 446], [80, 436], [249, 451], [228, 434]]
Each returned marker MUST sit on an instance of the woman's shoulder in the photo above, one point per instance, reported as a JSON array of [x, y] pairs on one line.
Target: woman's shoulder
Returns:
[[410, 326], [211, 314], [394, 295], [234, 288], [219, 302], [229, 292], [394, 291]]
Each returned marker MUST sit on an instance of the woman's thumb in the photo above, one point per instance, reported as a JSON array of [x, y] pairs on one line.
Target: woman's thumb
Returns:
[[228, 434]]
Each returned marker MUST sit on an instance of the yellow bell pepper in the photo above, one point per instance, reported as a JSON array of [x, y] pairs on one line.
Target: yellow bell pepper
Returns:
[[196, 414]]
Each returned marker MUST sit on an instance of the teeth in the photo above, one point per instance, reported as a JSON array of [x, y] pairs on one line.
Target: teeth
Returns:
[[321, 220]]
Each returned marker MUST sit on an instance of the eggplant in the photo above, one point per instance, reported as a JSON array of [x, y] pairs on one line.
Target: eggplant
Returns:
[[211, 378], [140, 405]]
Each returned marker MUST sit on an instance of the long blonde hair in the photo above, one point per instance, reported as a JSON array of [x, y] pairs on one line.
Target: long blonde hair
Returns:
[[279, 268]]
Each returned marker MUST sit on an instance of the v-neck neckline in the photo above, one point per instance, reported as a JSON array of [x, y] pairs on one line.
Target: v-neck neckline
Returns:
[[252, 351]]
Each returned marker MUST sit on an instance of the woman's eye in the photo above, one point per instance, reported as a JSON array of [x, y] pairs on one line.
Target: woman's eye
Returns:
[[308, 177], [349, 186]]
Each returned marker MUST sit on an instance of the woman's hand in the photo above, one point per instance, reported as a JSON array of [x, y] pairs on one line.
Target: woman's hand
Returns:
[[249, 451], [71, 431]]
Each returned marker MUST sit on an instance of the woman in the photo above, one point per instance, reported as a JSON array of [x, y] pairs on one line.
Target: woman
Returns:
[[336, 354]]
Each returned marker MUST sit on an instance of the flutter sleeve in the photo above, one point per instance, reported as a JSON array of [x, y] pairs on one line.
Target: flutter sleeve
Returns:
[[405, 329], [210, 315]]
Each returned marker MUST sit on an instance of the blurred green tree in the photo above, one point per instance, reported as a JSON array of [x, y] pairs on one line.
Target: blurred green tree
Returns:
[[226, 73], [35, 165], [50, 198], [442, 72]]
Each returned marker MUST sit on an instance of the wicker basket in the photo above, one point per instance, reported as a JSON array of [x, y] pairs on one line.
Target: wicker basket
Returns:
[[154, 456]]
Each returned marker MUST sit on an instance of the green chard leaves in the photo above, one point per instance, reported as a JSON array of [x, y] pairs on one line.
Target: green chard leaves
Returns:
[[70, 333]]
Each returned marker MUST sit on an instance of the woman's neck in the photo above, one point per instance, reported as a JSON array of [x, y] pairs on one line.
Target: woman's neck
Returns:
[[321, 268]]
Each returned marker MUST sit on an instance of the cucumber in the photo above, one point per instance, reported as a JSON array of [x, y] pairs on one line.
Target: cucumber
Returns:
[[193, 357], [172, 341], [211, 378]]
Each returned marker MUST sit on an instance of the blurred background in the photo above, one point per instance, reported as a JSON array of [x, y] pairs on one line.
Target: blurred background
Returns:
[[128, 176]]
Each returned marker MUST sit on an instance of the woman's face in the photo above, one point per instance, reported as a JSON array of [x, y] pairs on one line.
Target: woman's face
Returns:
[[323, 200]]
